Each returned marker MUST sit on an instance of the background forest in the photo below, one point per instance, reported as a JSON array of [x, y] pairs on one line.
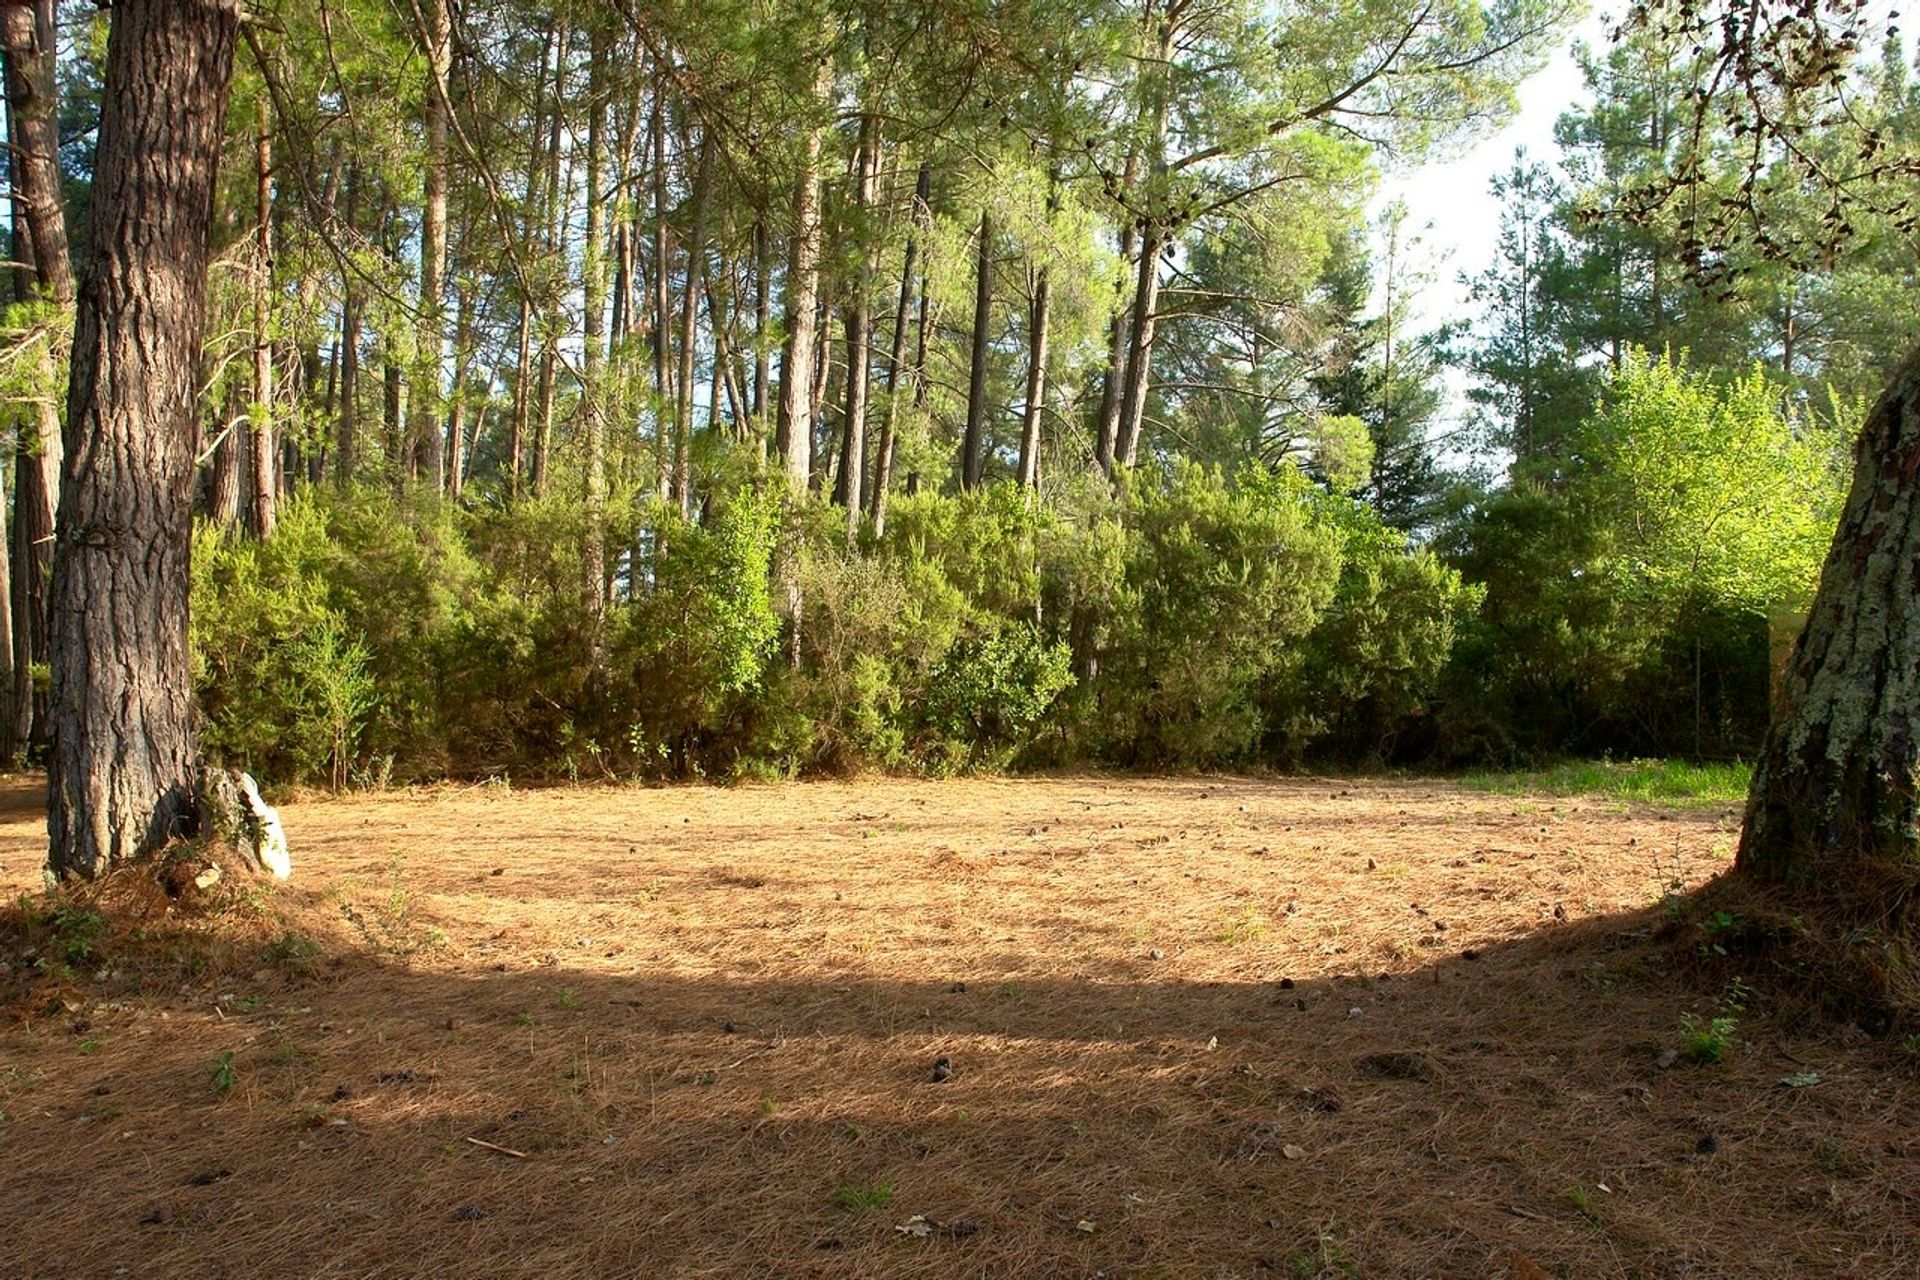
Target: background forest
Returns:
[[596, 390]]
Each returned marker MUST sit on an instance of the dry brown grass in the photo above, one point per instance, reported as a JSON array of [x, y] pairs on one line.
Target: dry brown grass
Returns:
[[1207, 1027]]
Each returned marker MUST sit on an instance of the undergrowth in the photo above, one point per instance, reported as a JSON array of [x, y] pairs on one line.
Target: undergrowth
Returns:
[[1665, 782]]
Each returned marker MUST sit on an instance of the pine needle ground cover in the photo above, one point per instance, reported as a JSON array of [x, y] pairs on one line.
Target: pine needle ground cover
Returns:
[[1196, 1027]]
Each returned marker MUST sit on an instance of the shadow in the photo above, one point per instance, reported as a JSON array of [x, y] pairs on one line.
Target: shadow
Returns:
[[540, 1098], [1439, 1121]]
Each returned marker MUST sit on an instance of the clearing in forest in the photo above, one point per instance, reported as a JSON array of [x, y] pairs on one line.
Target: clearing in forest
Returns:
[[1203, 1027]]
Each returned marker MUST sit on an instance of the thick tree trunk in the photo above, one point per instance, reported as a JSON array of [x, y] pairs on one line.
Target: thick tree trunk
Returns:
[[1833, 802], [121, 769], [972, 441]]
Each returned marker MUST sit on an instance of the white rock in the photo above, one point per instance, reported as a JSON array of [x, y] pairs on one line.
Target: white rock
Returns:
[[272, 838]]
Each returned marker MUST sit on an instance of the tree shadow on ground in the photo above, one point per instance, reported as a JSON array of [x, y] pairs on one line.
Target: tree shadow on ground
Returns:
[[1465, 1117]]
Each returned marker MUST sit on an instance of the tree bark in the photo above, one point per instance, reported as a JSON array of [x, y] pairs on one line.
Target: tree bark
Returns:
[[1036, 380], [794, 429], [1119, 339], [890, 423], [30, 49], [853, 440], [972, 442], [27, 37], [224, 487], [593, 394], [661, 302], [121, 769], [689, 331], [762, 327], [346, 426], [1133, 390], [260, 511], [1833, 804], [427, 453]]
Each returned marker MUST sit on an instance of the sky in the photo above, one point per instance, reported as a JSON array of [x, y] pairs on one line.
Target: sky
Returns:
[[1448, 201], [1456, 219]]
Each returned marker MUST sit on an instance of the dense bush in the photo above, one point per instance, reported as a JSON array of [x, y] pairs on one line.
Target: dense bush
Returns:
[[1175, 624], [1616, 602]]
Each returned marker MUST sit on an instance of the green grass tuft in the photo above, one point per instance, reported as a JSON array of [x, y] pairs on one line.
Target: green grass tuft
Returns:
[[1663, 782], [859, 1197]]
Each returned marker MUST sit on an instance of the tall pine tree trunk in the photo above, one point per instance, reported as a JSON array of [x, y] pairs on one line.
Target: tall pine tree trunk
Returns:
[[762, 326], [593, 395], [426, 452], [121, 770], [1153, 239], [890, 423], [346, 425], [29, 41], [1041, 319], [1133, 388], [660, 300], [794, 429], [853, 441], [260, 512], [972, 442], [689, 331]]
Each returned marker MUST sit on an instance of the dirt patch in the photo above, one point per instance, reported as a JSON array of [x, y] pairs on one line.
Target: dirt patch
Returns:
[[1205, 1027]]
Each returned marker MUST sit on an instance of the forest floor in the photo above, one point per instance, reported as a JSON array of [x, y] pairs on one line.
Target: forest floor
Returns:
[[1196, 1027]]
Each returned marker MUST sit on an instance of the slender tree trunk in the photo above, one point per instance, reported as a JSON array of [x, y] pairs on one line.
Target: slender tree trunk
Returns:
[[122, 766], [456, 460], [689, 331], [853, 440], [1119, 340], [554, 206], [1041, 317], [890, 423], [1153, 238], [762, 326], [225, 489], [260, 513], [972, 442], [519, 421], [593, 395], [1833, 806], [1133, 391], [27, 36], [822, 427], [426, 452], [794, 429], [662, 302], [30, 47], [347, 425], [13, 728]]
